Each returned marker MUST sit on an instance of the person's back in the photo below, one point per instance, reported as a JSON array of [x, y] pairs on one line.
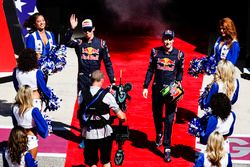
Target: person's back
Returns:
[[27, 73], [98, 113], [95, 113], [17, 154], [222, 119], [25, 120], [29, 118], [215, 154], [224, 82]]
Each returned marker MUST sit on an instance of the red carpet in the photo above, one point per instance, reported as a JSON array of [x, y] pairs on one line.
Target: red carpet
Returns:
[[132, 56], [7, 59]]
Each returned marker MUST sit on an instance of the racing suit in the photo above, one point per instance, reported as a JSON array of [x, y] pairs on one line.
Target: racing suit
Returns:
[[89, 54], [166, 68]]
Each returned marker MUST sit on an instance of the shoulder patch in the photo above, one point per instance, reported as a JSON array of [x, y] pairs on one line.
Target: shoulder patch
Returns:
[[180, 55], [103, 43], [154, 52]]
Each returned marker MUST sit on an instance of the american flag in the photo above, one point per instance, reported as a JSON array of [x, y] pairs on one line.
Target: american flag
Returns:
[[25, 8]]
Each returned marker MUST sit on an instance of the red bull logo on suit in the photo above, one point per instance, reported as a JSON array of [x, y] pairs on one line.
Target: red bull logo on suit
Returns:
[[90, 53], [165, 64]]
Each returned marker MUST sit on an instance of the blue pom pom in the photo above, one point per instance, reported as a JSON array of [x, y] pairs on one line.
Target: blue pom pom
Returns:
[[55, 61], [194, 127], [197, 126], [53, 102], [210, 65], [196, 67], [49, 122], [204, 96], [202, 65]]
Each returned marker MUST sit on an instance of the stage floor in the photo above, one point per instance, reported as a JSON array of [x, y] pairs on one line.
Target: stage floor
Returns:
[[64, 84]]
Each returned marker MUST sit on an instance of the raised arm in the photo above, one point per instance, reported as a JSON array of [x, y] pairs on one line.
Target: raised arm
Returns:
[[67, 38], [73, 21]]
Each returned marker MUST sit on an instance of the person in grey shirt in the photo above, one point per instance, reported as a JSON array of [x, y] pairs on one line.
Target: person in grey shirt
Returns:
[[95, 110]]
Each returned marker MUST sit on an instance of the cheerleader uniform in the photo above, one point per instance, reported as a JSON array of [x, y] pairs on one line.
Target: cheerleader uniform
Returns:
[[52, 57], [203, 161], [208, 64], [225, 128], [224, 52], [34, 41], [32, 120], [218, 87], [26, 160], [35, 79]]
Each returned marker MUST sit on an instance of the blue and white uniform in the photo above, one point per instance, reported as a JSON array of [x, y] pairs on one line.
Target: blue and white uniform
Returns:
[[224, 52], [225, 128], [34, 41], [219, 87], [203, 161], [52, 57], [32, 118], [208, 64], [26, 160], [35, 79]]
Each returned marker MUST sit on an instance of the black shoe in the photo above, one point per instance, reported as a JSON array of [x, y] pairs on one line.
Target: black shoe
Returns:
[[167, 157], [158, 140]]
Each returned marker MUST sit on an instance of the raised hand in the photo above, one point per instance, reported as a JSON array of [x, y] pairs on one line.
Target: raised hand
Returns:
[[73, 21]]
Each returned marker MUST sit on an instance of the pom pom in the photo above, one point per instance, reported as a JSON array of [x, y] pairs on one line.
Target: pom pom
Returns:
[[53, 102], [55, 61], [49, 123], [204, 96], [196, 67], [194, 127], [210, 65], [197, 126], [202, 65]]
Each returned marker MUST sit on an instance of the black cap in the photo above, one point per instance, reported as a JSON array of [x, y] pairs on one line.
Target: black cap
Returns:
[[168, 33]]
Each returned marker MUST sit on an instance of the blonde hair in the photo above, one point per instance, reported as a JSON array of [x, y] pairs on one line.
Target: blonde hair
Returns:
[[215, 148], [225, 72], [24, 99], [230, 29]]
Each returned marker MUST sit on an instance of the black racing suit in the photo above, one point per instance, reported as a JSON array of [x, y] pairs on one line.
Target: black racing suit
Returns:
[[166, 68], [89, 54]]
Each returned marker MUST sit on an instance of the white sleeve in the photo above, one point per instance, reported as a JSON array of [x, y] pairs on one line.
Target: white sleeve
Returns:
[[109, 99]]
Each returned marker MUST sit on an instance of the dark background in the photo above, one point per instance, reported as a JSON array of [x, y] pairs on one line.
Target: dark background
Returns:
[[193, 21]]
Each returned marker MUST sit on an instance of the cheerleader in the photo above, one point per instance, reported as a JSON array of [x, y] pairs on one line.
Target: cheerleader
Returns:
[[221, 120], [27, 73], [224, 81], [29, 117], [215, 153], [226, 47], [51, 56], [17, 154]]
